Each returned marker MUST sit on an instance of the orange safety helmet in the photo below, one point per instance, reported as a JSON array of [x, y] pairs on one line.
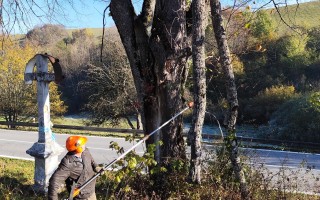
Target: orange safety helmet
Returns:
[[76, 143]]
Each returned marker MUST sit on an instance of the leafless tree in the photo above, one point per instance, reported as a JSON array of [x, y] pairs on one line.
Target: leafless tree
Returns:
[[199, 85], [232, 113], [157, 57], [20, 15], [109, 86]]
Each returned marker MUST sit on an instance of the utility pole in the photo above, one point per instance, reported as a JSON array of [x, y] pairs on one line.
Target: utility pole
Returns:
[[46, 150]]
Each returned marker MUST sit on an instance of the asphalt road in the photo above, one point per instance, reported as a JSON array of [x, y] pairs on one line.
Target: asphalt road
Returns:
[[303, 168], [13, 144]]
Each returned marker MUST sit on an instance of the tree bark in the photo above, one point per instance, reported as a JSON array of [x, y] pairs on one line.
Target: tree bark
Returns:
[[231, 116], [158, 63], [199, 80], [1, 16], [1, 6], [139, 123], [130, 123]]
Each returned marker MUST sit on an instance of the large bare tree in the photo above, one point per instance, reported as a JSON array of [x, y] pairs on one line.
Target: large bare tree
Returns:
[[157, 48], [232, 113]]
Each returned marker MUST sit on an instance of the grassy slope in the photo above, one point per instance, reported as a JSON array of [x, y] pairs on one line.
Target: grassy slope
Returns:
[[305, 15], [16, 181]]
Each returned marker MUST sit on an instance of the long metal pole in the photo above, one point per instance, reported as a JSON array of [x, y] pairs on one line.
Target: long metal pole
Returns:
[[106, 167]]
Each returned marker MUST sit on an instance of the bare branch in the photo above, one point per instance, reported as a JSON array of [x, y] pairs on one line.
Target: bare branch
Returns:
[[21, 15], [103, 31], [276, 6]]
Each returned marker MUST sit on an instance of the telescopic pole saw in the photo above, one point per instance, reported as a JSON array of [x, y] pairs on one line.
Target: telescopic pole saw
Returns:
[[106, 167]]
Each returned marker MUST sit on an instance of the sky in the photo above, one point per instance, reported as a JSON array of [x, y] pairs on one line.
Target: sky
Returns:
[[74, 14], [70, 13]]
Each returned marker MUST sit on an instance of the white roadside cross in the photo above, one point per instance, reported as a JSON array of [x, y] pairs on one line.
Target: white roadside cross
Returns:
[[46, 150]]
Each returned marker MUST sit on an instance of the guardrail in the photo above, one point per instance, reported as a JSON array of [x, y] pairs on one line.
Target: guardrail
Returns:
[[258, 141], [80, 128], [243, 140]]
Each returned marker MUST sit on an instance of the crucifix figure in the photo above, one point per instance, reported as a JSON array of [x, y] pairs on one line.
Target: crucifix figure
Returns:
[[46, 150]]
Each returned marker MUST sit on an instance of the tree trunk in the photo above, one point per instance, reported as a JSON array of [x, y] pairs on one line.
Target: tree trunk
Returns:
[[158, 63], [129, 122], [199, 80], [1, 17], [231, 117], [139, 123]]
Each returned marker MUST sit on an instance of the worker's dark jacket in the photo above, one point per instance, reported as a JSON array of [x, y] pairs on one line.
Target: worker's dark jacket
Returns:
[[72, 169]]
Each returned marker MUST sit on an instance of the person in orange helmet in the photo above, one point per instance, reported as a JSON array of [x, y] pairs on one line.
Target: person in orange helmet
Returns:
[[76, 167]]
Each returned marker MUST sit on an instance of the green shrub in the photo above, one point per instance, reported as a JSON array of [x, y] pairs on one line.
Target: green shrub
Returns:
[[263, 25], [261, 107], [297, 120], [313, 42]]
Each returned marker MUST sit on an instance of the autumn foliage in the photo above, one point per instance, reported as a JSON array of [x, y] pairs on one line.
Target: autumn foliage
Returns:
[[18, 100]]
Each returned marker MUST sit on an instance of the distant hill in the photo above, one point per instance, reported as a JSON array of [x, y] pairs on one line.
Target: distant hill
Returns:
[[97, 32], [305, 15]]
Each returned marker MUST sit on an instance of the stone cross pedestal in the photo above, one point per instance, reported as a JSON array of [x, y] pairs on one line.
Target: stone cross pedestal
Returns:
[[46, 150]]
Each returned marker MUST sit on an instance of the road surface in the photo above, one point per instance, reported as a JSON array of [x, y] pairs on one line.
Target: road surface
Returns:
[[13, 144]]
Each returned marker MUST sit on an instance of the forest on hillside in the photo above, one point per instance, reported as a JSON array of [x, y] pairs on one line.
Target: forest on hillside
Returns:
[[276, 64]]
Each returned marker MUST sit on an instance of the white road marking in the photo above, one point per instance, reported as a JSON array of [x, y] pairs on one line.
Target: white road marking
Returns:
[[20, 141], [15, 157]]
